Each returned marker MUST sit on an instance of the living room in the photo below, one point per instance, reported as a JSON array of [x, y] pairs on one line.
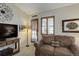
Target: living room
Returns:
[[23, 25]]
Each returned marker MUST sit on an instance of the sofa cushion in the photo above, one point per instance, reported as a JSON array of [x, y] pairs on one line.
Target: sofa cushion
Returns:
[[62, 51], [47, 39], [66, 41], [46, 50], [55, 43]]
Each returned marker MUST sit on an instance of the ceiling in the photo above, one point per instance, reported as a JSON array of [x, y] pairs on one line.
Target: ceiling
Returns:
[[35, 8]]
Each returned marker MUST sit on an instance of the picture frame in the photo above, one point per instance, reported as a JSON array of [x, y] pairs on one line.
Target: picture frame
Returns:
[[21, 27], [70, 25]]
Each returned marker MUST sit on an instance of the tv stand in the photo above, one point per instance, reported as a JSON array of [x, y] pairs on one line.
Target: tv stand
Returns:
[[7, 42], [2, 39]]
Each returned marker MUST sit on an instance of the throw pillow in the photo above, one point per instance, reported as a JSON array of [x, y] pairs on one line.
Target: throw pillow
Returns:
[[55, 43]]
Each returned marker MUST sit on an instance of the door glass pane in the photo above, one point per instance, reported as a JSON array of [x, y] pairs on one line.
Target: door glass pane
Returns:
[[50, 25], [44, 21], [34, 30], [34, 35]]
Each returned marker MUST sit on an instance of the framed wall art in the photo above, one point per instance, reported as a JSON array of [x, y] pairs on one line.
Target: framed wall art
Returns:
[[6, 13], [21, 27], [70, 25]]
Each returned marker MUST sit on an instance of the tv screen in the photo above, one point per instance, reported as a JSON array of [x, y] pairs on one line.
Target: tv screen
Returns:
[[8, 31]]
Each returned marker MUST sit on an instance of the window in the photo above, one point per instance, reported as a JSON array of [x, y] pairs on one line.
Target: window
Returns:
[[47, 25]]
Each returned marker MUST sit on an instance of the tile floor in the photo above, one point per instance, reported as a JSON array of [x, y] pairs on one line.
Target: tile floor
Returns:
[[26, 51]]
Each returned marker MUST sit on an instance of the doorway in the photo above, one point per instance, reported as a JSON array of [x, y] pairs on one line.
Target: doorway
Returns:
[[34, 26]]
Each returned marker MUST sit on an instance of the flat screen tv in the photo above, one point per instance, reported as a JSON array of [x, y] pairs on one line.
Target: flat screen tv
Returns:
[[8, 31]]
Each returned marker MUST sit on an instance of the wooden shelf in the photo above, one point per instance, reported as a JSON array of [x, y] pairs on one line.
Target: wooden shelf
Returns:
[[9, 42]]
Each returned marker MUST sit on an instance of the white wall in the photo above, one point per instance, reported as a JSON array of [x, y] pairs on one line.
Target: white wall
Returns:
[[20, 18], [60, 14]]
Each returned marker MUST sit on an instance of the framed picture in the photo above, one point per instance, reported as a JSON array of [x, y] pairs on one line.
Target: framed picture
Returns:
[[70, 25], [21, 27]]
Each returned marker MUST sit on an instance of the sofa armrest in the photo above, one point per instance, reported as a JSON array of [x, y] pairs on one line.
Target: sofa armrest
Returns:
[[38, 44], [75, 50], [37, 48]]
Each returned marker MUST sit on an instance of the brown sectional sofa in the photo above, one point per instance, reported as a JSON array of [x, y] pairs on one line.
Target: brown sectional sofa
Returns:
[[62, 46]]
